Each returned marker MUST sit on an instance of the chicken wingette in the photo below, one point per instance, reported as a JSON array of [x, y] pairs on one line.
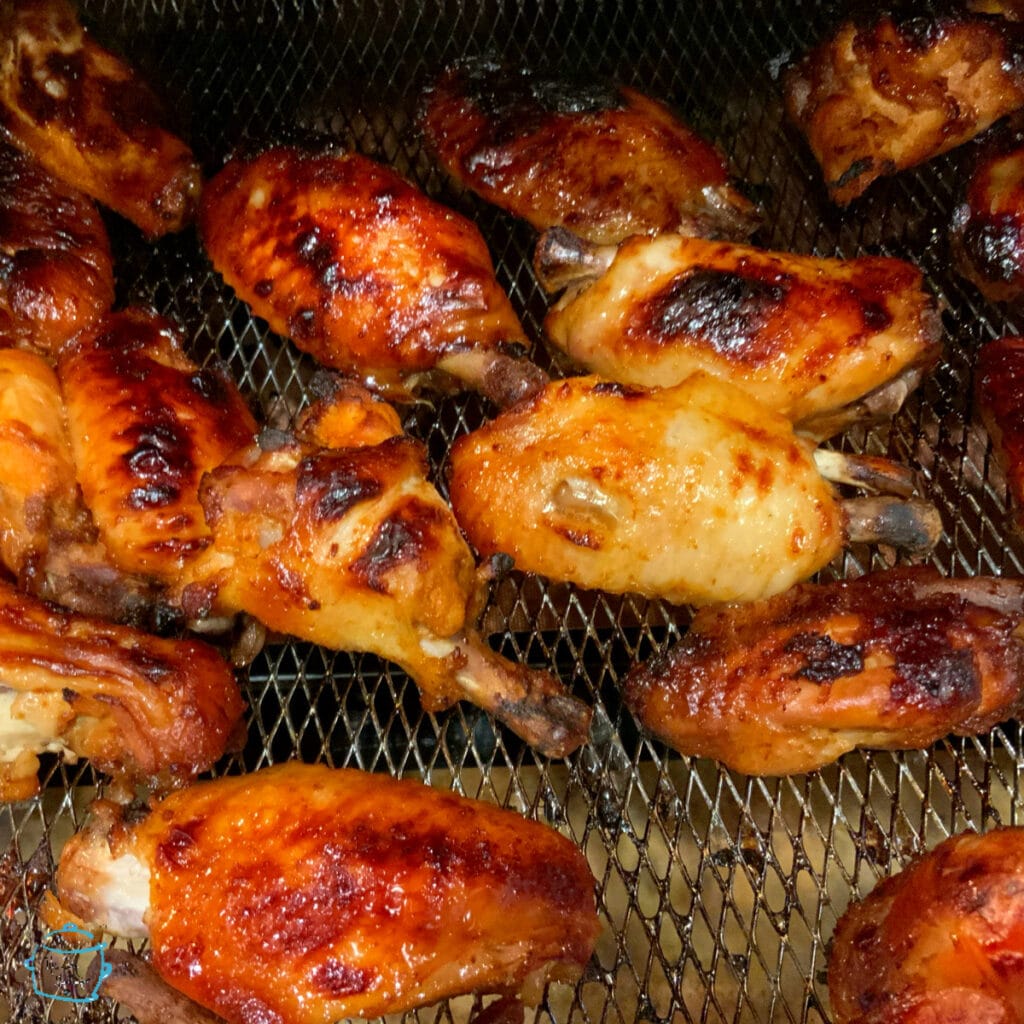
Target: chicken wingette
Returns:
[[139, 707], [365, 273], [303, 894], [695, 493], [941, 941], [886, 94], [806, 336], [604, 162], [89, 119], [894, 659]]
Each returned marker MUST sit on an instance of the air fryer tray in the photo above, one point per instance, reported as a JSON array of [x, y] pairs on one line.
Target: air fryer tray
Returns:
[[718, 893]]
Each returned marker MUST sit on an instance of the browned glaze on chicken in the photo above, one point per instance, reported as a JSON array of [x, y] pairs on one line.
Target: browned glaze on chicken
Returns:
[[135, 705], [56, 272], [804, 335], [695, 493], [302, 895], [999, 397], [145, 424], [350, 546], [881, 96], [365, 273], [895, 659], [941, 942], [603, 161], [89, 119]]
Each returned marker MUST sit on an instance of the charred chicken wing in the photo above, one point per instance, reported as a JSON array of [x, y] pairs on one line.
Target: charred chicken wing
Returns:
[[879, 97], [602, 161], [365, 273], [135, 705], [89, 119], [941, 941], [895, 659], [804, 335], [302, 895], [56, 273], [695, 493]]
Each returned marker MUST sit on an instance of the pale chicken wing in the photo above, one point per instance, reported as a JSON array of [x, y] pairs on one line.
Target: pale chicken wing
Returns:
[[303, 895], [603, 161], [138, 707], [806, 336], [365, 273], [89, 119], [881, 96], [695, 493], [56, 271], [894, 659]]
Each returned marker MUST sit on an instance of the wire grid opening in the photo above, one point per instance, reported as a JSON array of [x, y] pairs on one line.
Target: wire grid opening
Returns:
[[718, 893]]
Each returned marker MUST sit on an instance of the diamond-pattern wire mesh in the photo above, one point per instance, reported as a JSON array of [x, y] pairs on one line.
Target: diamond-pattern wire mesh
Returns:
[[718, 892]]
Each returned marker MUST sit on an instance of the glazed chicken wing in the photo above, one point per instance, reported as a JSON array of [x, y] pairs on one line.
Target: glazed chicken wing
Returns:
[[303, 895], [89, 119], [999, 396], [694, 493], [136, 706], [895, 659], [804, 335], [603, 161], [56, 272], [877, 98], [942, 941], [365, 273]]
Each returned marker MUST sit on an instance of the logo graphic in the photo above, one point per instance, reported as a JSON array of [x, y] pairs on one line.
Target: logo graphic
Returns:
[[52, 948]]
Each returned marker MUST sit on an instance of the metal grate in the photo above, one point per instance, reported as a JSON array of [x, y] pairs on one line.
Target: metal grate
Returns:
[[718, 892]]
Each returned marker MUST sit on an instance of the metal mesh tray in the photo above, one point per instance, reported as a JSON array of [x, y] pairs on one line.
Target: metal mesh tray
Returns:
[[718, 893]]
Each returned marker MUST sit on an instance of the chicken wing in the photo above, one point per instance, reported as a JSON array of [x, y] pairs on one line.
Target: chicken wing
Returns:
[[894, 659], [365, 273], [89, 119], [804, 335], [694, 493], [301, 894], [56, 271], [941, 941], [603, 161], [136, 706], [999, 397], [879, 97]]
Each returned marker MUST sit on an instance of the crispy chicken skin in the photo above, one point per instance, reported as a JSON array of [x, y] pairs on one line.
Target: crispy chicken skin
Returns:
[[895, 659], [879, 97], [145, 424], [303, 894], [56, 271], [89, 119], [999, 398], [603, 161], [365, 273], [351, 547], [942, 941], [802, 334], [137, 706]]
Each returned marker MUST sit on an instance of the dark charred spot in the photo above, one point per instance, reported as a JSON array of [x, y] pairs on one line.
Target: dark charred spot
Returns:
[[402, 537], [854, 171], [580, 538], [161, 460], [151, 496], [611, 387], [69, 695], [340, 979], [826, 659], [263, 287], [66, 70], [332, 484], [178, 850], [995, 247], [876, 316]]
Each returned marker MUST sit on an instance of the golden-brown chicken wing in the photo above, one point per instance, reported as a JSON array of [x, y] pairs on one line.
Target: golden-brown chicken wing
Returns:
[[942, 941], [136, 706], [999, 396], [145, 424], [696, 493], [56, 272], [879, 97], [89, 119], [603, 161], [804, 335], [895, 659], [365, 273], [353, 548], [302, 895]]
